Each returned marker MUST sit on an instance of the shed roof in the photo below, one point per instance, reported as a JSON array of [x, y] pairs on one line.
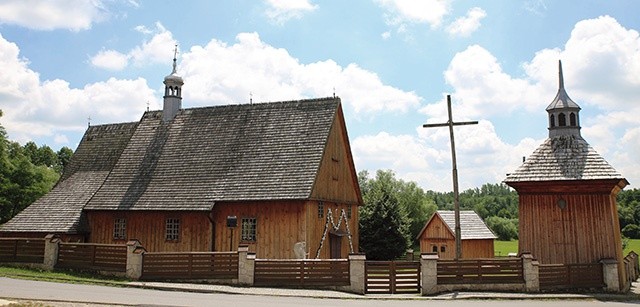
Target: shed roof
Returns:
[[567, 157], [471, 225]]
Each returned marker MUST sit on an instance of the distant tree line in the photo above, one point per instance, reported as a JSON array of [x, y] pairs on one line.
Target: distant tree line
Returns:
[[26, 173]]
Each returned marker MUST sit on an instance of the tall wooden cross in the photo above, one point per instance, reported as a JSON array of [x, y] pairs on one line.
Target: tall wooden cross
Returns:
[[456, 196]]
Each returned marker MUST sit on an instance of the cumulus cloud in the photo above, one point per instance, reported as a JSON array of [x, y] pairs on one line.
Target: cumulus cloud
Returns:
[[399, 12], [280, 11], [158, 49], [464, 26], [34, 107], [601, 62], [220, 73], [51, 15]]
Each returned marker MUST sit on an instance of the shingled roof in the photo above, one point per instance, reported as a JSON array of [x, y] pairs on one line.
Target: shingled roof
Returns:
[[60, 210], [564, 158], [471, 225], [266, 151]]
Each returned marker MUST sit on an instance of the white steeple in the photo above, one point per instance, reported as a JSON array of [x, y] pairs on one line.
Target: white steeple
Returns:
[[564, 113], [172, 92]]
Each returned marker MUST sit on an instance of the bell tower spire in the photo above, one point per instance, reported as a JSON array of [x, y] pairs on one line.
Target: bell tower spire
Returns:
[[564, 113], [172, 91]]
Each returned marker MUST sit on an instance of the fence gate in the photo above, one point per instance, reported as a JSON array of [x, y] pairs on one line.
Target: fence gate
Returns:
[[392, 277]]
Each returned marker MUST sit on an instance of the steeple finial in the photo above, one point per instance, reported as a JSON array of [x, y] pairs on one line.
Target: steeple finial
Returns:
[[175, 55], [561, 79]]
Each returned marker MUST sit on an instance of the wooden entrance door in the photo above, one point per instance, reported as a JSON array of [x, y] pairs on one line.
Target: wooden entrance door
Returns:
[[335, 245]]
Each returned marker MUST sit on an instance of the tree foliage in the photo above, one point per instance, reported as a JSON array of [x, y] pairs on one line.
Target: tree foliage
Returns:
[[26, 173], [384, 226], [629, 213]]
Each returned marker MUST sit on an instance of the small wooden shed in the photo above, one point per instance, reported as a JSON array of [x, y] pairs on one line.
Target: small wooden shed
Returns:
[[438, 236]]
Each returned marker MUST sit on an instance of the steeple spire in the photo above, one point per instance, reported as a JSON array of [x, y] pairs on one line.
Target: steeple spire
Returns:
[[561, 77], [175, 55], [564, 113], [172, 91]]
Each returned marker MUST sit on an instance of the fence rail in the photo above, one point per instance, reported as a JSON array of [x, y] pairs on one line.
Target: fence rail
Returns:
[[301, 272], [88, 256], [28, 250], [480, 271], [390, 277], [190, 265], [570, 276], [632, 268]]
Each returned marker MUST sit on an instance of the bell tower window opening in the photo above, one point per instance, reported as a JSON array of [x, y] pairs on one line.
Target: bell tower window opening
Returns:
[[572, 119], [562, 120], [552, 121]]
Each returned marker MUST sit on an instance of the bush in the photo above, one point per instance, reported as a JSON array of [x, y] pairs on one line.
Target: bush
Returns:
[[631, 231]]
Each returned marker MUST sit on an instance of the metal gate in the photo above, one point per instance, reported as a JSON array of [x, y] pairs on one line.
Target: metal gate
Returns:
[[392, 277]]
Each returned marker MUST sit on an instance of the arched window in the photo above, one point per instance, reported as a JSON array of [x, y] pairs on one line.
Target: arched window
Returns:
[[166, 91], [562, 120], [552, 121], [572, 119]]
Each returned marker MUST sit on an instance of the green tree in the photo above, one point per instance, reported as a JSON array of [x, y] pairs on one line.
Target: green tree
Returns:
[[384, 226], [631, 231], [64, 156], [505, 229]]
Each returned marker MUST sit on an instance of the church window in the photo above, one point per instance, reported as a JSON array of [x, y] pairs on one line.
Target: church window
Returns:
[[552, 121], [562, 120], [249, 226], [320, 209], [172, 229], [120, 229]]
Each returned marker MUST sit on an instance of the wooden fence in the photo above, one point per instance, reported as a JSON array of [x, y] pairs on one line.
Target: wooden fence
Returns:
[[300, 273], [570, 276], [89, 256], [391, 277], [28, 250], [480, 271], [631, 267], [190, 265]]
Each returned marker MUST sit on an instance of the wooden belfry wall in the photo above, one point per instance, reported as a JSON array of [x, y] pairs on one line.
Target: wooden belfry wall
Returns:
[[582, 232]]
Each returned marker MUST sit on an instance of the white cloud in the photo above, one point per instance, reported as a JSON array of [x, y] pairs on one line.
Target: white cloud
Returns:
[[426, 157], [110, 60], [159, 49], [601, 64], [464, 26], [34, 108], [280, 11], [409, 11], [252, 66], [51, 15]]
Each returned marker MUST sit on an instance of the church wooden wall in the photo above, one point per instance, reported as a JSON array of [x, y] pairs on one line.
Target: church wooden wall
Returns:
[[316, 228], [336, 180], [148, 227], [280, 224]]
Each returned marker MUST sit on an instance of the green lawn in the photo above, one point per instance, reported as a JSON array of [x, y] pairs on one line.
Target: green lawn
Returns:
[[503, 248]]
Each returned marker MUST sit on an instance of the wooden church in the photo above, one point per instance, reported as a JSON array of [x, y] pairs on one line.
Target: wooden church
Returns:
[[278, 177], [567, 191]]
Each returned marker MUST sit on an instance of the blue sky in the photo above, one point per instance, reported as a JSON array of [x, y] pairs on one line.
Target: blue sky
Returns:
[[391, 61]]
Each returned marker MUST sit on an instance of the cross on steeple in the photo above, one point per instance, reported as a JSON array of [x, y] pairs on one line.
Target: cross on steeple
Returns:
[[175, 56], [456, 196]]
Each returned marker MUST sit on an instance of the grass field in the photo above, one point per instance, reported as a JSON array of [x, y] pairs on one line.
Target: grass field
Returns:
[[503, 248]]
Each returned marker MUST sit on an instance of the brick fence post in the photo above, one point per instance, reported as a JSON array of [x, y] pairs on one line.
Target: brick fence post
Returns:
[[357, 278], [246, 266], [51, 248], [531, 272], [429, 273], [135, 256], [610, 275]]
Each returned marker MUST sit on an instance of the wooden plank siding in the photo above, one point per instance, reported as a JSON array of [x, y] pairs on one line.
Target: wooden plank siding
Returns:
[[336, 179], [148, 227], [438, 235], [279, 225], [316, 227]]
